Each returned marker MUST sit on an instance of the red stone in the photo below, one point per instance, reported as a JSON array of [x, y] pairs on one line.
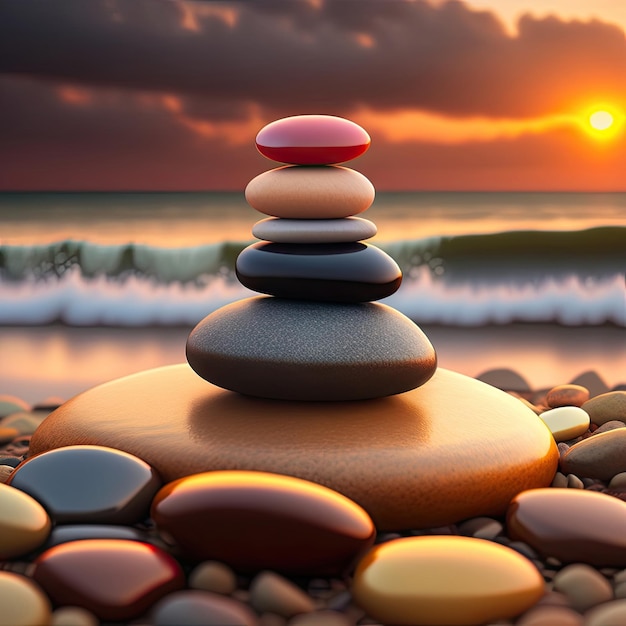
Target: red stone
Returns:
[[257, 520], [312, 140], [113, 578]]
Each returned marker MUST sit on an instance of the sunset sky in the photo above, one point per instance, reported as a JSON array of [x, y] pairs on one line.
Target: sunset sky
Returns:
[[169, 95]]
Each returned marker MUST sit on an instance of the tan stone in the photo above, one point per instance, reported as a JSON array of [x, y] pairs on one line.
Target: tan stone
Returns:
[[583, 585], [213, 576], [24, 523], [551, 616], [608, 614], [22, 602], [607, 407], [310, 192], [390, 455], [600, 456], [567, 395], [436, 580], [73, 616]]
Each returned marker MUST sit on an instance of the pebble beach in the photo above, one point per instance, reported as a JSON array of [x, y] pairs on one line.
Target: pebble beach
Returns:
[[561, 549]]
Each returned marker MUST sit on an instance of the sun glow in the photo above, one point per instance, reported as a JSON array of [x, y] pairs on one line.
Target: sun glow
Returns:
[[601, 120]]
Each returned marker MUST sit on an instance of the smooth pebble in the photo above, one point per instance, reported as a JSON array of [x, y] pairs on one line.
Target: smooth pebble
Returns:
[[73, 616], [283, 230], [324, 192], [607, 426], [299, 350], [608, 614], [22, 602], [94, 484], [201, 608], [312, 140], [572, 525], [12, 404], [566, 422], [113, 578], [292, 525], [445, 580], [618, 481], [600, 456], [325, 272], [583, 585], [551, 616], [273, 593], [606, 407], [567, 395], [24, 523], [213, 576]]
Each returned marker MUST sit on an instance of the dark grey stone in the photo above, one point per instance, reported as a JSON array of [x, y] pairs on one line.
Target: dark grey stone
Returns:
[[297, 350]]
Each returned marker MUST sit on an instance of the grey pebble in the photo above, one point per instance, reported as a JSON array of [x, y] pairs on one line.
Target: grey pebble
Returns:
[[274, 593], [481, 528], [612, 425], [573, 482], [583, 585]]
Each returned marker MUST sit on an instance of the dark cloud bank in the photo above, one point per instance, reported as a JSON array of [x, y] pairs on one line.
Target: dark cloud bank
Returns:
[[277, 58]]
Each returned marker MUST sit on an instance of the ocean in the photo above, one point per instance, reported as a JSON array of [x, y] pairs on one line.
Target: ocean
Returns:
[[111, 283]]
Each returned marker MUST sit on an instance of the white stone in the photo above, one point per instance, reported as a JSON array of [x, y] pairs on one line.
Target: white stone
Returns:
[[338, 230], [566, 422]]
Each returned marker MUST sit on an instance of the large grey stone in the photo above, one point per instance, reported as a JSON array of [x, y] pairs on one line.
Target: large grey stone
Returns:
[[294, 350]]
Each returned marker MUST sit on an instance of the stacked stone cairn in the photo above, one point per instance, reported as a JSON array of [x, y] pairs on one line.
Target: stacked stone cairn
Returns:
[[319, 336]]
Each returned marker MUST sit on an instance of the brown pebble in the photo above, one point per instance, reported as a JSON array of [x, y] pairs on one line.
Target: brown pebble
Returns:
[[583, 585], [559, 481], [573, 525], [620, 576], [608, 614], [573, 482], [321, 618], [619, 591], [606, 407], [618, 481], [272, 592], [481, 528], [194, 607], [550, 616], [73, 616], [567, 395], [612, 425], [554, 598], [601, 456], [213, 576]]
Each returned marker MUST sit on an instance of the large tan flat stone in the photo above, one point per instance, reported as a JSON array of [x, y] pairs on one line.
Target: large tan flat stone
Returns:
[[451, 449]]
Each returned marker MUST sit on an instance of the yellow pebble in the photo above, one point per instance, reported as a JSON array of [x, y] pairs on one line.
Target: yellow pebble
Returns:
[[451, 580], [22, 602], [24, 523]]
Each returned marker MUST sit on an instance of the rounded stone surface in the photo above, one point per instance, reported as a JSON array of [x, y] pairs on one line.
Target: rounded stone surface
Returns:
[[567, 395], [390, 455], [326, 272], [22, 602], [201, 608], [565, 422], [282, 230], [599, 456], [24, 523], [298, 350], [551, 616], [608, 614], [312, 140], [572, 525], [73, 616], [607, 407], [584, 586], [270, 592], [213, 576], [64, 533], [113, 578], [321, 192], [89, 483], [445, 581], [300, 527]]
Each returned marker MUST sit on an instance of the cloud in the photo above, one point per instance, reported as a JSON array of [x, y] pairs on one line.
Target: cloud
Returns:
[[321, 56]]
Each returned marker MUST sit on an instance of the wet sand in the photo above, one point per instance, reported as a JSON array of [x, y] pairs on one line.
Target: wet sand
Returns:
[[38, 362]]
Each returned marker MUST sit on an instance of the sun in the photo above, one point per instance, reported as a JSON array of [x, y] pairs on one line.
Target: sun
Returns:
[[601, 120]]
